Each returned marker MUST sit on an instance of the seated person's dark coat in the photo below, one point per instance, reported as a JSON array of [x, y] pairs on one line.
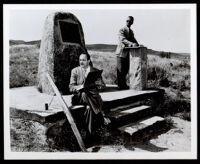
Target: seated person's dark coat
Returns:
[[88, 97]]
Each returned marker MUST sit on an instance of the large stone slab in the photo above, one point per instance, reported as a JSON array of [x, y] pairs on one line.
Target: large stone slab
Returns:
[[119, 95], [62, 43], [140, 125], [29, 103], [29, 98], [122, 113]]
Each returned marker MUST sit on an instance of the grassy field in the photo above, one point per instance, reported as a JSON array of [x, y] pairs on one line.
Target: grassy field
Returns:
[[23, 65], [170, 74]]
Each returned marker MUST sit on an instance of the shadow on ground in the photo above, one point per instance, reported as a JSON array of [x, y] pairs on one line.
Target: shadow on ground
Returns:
[[108, 136], [60, 138], [140, 140]]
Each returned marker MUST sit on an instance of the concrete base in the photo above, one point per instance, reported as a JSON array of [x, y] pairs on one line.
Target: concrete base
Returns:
[[29, 104], [142, 128], [31, 101], [29, 98]]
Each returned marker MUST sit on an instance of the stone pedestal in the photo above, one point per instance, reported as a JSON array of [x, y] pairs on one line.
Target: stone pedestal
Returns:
[[138, 68], [62, 43]]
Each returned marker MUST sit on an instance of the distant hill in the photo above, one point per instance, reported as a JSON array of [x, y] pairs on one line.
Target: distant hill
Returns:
[[17, 42], [110, 48], [101, 47], [168, 54]]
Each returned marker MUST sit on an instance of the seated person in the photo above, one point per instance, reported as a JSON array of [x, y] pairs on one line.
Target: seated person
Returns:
[[93, 115]]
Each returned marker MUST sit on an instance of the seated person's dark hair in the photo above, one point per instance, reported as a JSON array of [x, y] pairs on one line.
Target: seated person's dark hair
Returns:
[[86, 54]]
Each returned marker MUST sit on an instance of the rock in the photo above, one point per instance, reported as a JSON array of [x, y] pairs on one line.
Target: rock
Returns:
[[62, 43]]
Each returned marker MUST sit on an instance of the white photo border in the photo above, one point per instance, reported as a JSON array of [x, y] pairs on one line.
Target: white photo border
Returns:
[[8, 154]]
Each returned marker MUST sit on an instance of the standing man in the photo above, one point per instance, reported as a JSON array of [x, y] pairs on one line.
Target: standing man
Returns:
[[126, 39]]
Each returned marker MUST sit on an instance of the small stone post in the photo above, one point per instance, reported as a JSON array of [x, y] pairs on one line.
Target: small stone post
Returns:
[[138, 68]]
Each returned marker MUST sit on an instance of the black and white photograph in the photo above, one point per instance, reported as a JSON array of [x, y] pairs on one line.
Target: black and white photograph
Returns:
[[106, 81]]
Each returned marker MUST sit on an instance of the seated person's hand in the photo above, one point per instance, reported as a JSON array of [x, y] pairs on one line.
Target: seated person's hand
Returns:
[[100, 84], [134, 45], [106, 121], [78, 88]]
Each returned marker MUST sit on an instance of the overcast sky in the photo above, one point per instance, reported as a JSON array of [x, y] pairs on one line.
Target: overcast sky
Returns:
[[158, 29]]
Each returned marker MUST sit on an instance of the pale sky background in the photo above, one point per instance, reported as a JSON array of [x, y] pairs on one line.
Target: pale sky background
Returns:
[[158, 29]]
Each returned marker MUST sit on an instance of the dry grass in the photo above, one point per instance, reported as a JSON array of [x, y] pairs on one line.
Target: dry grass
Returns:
[[107, 62], [172, 75], [177, 72], [28, 136], [23, 65]]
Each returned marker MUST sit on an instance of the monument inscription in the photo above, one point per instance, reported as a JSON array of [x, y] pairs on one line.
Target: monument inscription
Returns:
[[70, 32]]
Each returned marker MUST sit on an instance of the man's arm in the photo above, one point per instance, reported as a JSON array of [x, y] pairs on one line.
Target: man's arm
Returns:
[[73, 87], [123, 38], [125, 41]]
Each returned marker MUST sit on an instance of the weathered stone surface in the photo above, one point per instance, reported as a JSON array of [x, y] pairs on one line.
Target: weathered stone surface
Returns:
[[62, 43], [122, 113], [140, 125], [29, 98], [138, 68]]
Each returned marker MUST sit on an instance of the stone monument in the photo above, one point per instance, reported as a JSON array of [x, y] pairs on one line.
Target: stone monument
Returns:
[[138, 68], [62, 43]]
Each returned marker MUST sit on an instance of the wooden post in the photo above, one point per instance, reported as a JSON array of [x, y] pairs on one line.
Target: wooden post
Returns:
[[138, 68], [68, 114]]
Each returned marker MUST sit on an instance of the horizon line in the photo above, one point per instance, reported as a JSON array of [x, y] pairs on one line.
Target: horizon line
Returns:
[[102, 44]]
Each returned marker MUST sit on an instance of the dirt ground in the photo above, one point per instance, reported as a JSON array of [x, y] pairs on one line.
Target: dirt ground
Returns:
[[176, 139], [30, 136]]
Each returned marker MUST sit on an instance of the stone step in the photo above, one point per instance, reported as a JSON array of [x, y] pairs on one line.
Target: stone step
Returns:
[[117, 98], [39, 116], [128, 106], [30, 99], [133, 128], [121, 113], [42, 117], [121, 117]]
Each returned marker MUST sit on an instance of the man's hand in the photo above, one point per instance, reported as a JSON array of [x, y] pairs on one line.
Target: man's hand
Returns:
[[79, 87], [134, 45]]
